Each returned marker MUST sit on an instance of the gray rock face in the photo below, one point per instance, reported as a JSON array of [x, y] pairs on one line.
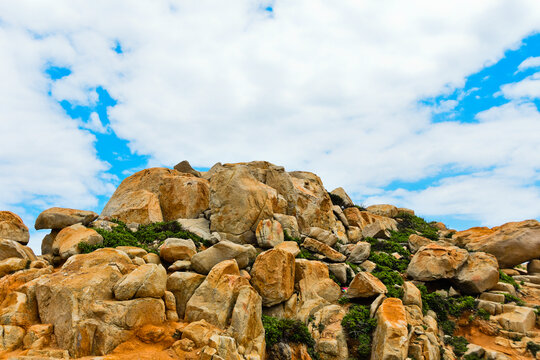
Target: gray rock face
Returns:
[[360, 253]]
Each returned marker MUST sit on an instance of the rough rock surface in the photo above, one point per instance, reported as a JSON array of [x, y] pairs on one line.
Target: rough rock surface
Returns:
[[174, 249], [12, 227], [383, 210], [390, 339], [158, 194], [11, 248], [347, 202], [204, 261], [269, 233], [365, 285], [323, 249], [480, 273], [273, 276], [512, 243], [148, 280], [59, 218], [182, 285], [68, 239], [434, 261]]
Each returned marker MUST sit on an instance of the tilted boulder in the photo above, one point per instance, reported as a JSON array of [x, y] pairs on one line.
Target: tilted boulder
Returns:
[[185, 167], [290, 246], [11, 248], [174, 249], [390, 339], [347, 202], [12, 227], [435, 261], [68, 239], [480, 273], [323, 249], [11, 337], [269, 233], [158, 194], [365, 285], [324, 236], [59, 218], [380, 225], [183, 285], [383, 210], [148, 280], [411, 294], [272, 276], [204, 261], [10, 265], [359, 253], [200, 227], [289, 224], [416, 242], [512, 243]]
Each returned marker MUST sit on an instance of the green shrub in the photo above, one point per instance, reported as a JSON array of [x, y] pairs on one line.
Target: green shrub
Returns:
[[336, 280], [508, 298], [359, 327], [337, 200], [145, 237], [483, 314], [411, 224], [508, 279], [355, 267], [533, 347], [472, 357], [344, 300], [288, 331], [393, 245], [386, 262], [361, 207], [306, 254], [287, 237], [390, 279], [448, 327], [459, 344]]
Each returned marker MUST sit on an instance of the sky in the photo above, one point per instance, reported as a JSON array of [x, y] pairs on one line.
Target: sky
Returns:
[[430, 105]]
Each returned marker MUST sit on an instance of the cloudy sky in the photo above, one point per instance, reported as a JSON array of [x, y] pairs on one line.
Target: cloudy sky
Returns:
[[432, 105]]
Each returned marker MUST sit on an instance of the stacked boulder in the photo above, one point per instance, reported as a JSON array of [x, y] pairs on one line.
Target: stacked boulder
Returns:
[[262, 242]]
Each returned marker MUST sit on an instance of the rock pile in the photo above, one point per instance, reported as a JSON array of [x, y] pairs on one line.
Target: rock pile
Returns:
[[249, 262]]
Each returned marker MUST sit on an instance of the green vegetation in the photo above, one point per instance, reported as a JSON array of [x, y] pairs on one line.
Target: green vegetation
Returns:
[[306, 254], [483, 314], [361, 207], [458, 343], [337, 200], [344, 300], [508, 279], [148, 237], [411, 224], [508, 298], [446, 307], [288, 331], [533, 347], [287, 237], [336, 280], [359, 327], [472, 357], [394, 245]]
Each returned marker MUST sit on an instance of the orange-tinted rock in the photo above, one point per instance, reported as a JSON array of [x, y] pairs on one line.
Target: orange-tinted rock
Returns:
[[512, 243], [272, 276], [383, 210], [68, 239], [12, 227], [390, 339], [365, 285], [59, 218], [434, 261]]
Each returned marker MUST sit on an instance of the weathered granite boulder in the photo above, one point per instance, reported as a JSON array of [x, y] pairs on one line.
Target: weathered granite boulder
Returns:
[[390, 339], [272, 276], [59, 218], [204, 261], [12, 227]]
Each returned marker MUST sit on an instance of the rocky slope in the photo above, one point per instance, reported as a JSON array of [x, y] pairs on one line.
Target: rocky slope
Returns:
[[250, 262]]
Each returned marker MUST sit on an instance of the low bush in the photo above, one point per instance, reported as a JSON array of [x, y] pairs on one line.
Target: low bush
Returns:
[[306, 254], [508, 298], [288, 331], [148, 237], [287, 237], [394, 245], [337, 200], [533, 348], [359, 328], [508, 279], [411, 224], [483, 314], [458, 343]]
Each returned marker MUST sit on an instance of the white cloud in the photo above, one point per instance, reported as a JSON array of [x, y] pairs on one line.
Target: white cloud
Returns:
[[528, 63], [330, 87], [526, 88]]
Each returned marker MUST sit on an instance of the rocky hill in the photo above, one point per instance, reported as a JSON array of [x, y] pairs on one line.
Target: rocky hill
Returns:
[[250, 262]]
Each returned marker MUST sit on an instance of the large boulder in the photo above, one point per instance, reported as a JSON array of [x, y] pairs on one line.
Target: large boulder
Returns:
[[362, 219], [359, 253], [12, 227], [205, 260], [272, 276], [314, 286], [148, 280], [269, 233], [238, 202], [68, 239], [200, 227], [313, 204], [79, 302], [59, 218], [324, 236], [11, 248], [158, 194], [174, 249], [512, 243], [416, 242], [289, 224], [185, 167], [390, 339], [9, 265], [480, 273], [183, 285], [435, 261], [214, 299], [365, 285]]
